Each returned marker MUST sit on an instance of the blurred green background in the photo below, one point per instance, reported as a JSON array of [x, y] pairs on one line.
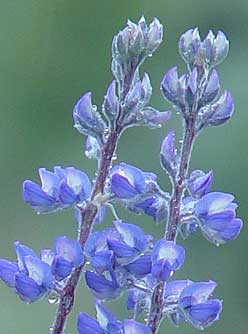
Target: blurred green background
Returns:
[[52, 52]]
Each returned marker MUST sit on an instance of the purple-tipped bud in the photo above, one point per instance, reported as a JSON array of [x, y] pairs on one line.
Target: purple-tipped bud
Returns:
[[189, 45], [221, 44], [152, 117], [212, 88], [136, 39], [167, 257], [86, 119], [146, 89], [200, 183], [169, 85], [155, 35], [209, 52], [208, 49], [168, 153], [110, 104], [222, 110], [192, 86]]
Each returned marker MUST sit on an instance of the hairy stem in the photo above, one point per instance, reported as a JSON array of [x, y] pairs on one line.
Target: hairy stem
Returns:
[[90, 212], [88, 215], [156, 312]]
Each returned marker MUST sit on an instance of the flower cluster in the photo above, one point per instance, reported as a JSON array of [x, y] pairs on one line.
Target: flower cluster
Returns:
[[61, 189], [123, 258], [33, 276]]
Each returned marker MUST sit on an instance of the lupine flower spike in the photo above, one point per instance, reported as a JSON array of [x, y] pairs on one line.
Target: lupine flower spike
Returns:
[[123, 259]]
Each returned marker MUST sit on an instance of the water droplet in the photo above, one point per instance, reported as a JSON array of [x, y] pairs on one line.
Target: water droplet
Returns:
[[53, 298], [94, 107], [180, 141], [114, 157], [150, 55]]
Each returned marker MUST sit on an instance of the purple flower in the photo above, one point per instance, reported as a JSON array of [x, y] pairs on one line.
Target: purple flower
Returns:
[[127, 181], [86, 119], [98, 241], [61, 189], [102, 287], [67, 255], [30, 277], [216, 213], [134, 241], [152, 205], [197, 306], [173, 289], [167, 257], [140, 267], [125, 242], [103, 261]]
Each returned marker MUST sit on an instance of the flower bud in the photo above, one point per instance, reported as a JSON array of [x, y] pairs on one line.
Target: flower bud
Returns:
[[200, 183], [192, 86], [154, 36], [86, 119], [146, 89], [168, 153], [212, 88], [189, 45], [110, 104], [169, 85], [209, 52], [222, 110]]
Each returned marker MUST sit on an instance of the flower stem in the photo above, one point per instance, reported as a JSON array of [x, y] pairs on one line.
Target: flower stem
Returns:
[[90, 212], [157, 303], [88, 215]]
